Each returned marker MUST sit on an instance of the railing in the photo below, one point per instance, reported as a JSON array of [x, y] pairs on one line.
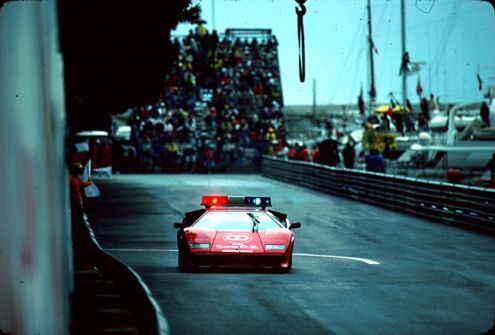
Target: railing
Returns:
[[245, 33], [248, 32], [467, 206], [147, 312]]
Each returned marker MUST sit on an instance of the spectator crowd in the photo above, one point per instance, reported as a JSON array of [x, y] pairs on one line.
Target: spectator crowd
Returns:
[[222, 104]]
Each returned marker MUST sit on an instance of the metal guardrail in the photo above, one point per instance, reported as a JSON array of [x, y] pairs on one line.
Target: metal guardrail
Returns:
[[466, 206], [150, 317]]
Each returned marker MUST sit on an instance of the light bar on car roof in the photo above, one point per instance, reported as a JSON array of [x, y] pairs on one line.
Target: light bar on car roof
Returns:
[[223, 200]]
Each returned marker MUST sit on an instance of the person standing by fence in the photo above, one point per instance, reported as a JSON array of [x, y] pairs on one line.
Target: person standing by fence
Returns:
[[328, 152], [375, 162], [349, 155], [76, 202], [485, 114], [491, 167]]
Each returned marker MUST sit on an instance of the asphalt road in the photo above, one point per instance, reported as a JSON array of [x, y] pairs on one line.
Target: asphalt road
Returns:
[[358, 269]]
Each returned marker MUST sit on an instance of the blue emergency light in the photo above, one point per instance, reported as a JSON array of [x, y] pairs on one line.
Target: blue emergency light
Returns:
[[258, 201]]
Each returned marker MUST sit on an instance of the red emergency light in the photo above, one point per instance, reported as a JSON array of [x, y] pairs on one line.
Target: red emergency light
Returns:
[[214, 200]]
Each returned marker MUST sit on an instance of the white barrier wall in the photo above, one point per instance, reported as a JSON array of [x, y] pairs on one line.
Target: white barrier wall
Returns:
[[35, 252]]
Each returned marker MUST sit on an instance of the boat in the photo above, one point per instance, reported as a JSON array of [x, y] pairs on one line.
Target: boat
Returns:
[[468, 149]]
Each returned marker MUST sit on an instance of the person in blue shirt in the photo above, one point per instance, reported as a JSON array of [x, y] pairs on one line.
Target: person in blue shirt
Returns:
[[375, 162]]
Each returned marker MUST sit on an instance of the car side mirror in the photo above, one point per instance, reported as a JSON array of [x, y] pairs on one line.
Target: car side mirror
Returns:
[[295, 225], [177, 225]]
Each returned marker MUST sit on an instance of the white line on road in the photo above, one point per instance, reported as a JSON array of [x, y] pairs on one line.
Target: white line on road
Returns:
[[363, 260], [358, 259]]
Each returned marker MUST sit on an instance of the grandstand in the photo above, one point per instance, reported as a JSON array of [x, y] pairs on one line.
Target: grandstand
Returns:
[[221, 105]]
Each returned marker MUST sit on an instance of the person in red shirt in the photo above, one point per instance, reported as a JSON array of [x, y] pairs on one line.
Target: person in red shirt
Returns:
[[104, 154], [279, 147], [304, 154], [315, 154], [292, 152], [76, 203], [94, 155]]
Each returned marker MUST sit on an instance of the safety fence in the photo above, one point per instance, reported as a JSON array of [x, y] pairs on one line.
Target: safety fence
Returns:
[[467, 206], [145, 310]]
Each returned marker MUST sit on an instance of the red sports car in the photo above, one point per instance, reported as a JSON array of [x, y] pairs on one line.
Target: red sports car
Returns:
[[235, 232]]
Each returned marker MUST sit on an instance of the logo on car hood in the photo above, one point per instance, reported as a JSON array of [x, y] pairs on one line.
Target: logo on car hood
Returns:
[[237, 238]]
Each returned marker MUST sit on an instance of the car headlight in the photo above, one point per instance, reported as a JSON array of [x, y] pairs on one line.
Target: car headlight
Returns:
[[199, 245], [274, 246]]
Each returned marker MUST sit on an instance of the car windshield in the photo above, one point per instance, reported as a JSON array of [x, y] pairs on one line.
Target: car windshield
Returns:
[[225, 220]]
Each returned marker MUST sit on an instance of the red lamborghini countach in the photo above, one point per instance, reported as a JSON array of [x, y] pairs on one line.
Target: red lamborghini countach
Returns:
[[235, 232]]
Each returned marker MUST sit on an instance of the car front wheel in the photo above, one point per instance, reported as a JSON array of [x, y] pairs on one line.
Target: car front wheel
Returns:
[[183, 266]]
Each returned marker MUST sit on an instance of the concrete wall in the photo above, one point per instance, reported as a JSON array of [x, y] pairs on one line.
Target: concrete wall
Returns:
[[35, 260]]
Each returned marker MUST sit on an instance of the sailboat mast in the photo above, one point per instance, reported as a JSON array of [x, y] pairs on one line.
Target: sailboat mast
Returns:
[[213, 15], [313, 112], [372, 91], [403, 37]]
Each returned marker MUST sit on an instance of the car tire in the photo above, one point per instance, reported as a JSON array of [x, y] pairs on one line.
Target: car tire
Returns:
[[183, 267], [288, 268]]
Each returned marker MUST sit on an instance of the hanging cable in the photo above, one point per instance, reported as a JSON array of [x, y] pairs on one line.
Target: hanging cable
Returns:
[[300, 39]]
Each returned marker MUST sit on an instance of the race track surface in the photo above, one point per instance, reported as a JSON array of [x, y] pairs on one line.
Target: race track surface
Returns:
[[358, 269]]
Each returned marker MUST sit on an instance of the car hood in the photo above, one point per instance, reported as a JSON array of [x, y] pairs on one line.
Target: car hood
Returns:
[[274, 236], [237, 241]]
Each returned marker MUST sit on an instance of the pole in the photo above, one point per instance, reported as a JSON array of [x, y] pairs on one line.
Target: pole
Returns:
[[212, 15], [372, 91], [314, 101], [403, 36]]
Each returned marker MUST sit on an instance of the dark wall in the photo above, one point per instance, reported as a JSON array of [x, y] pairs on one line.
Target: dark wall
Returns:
[[115, 55]]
